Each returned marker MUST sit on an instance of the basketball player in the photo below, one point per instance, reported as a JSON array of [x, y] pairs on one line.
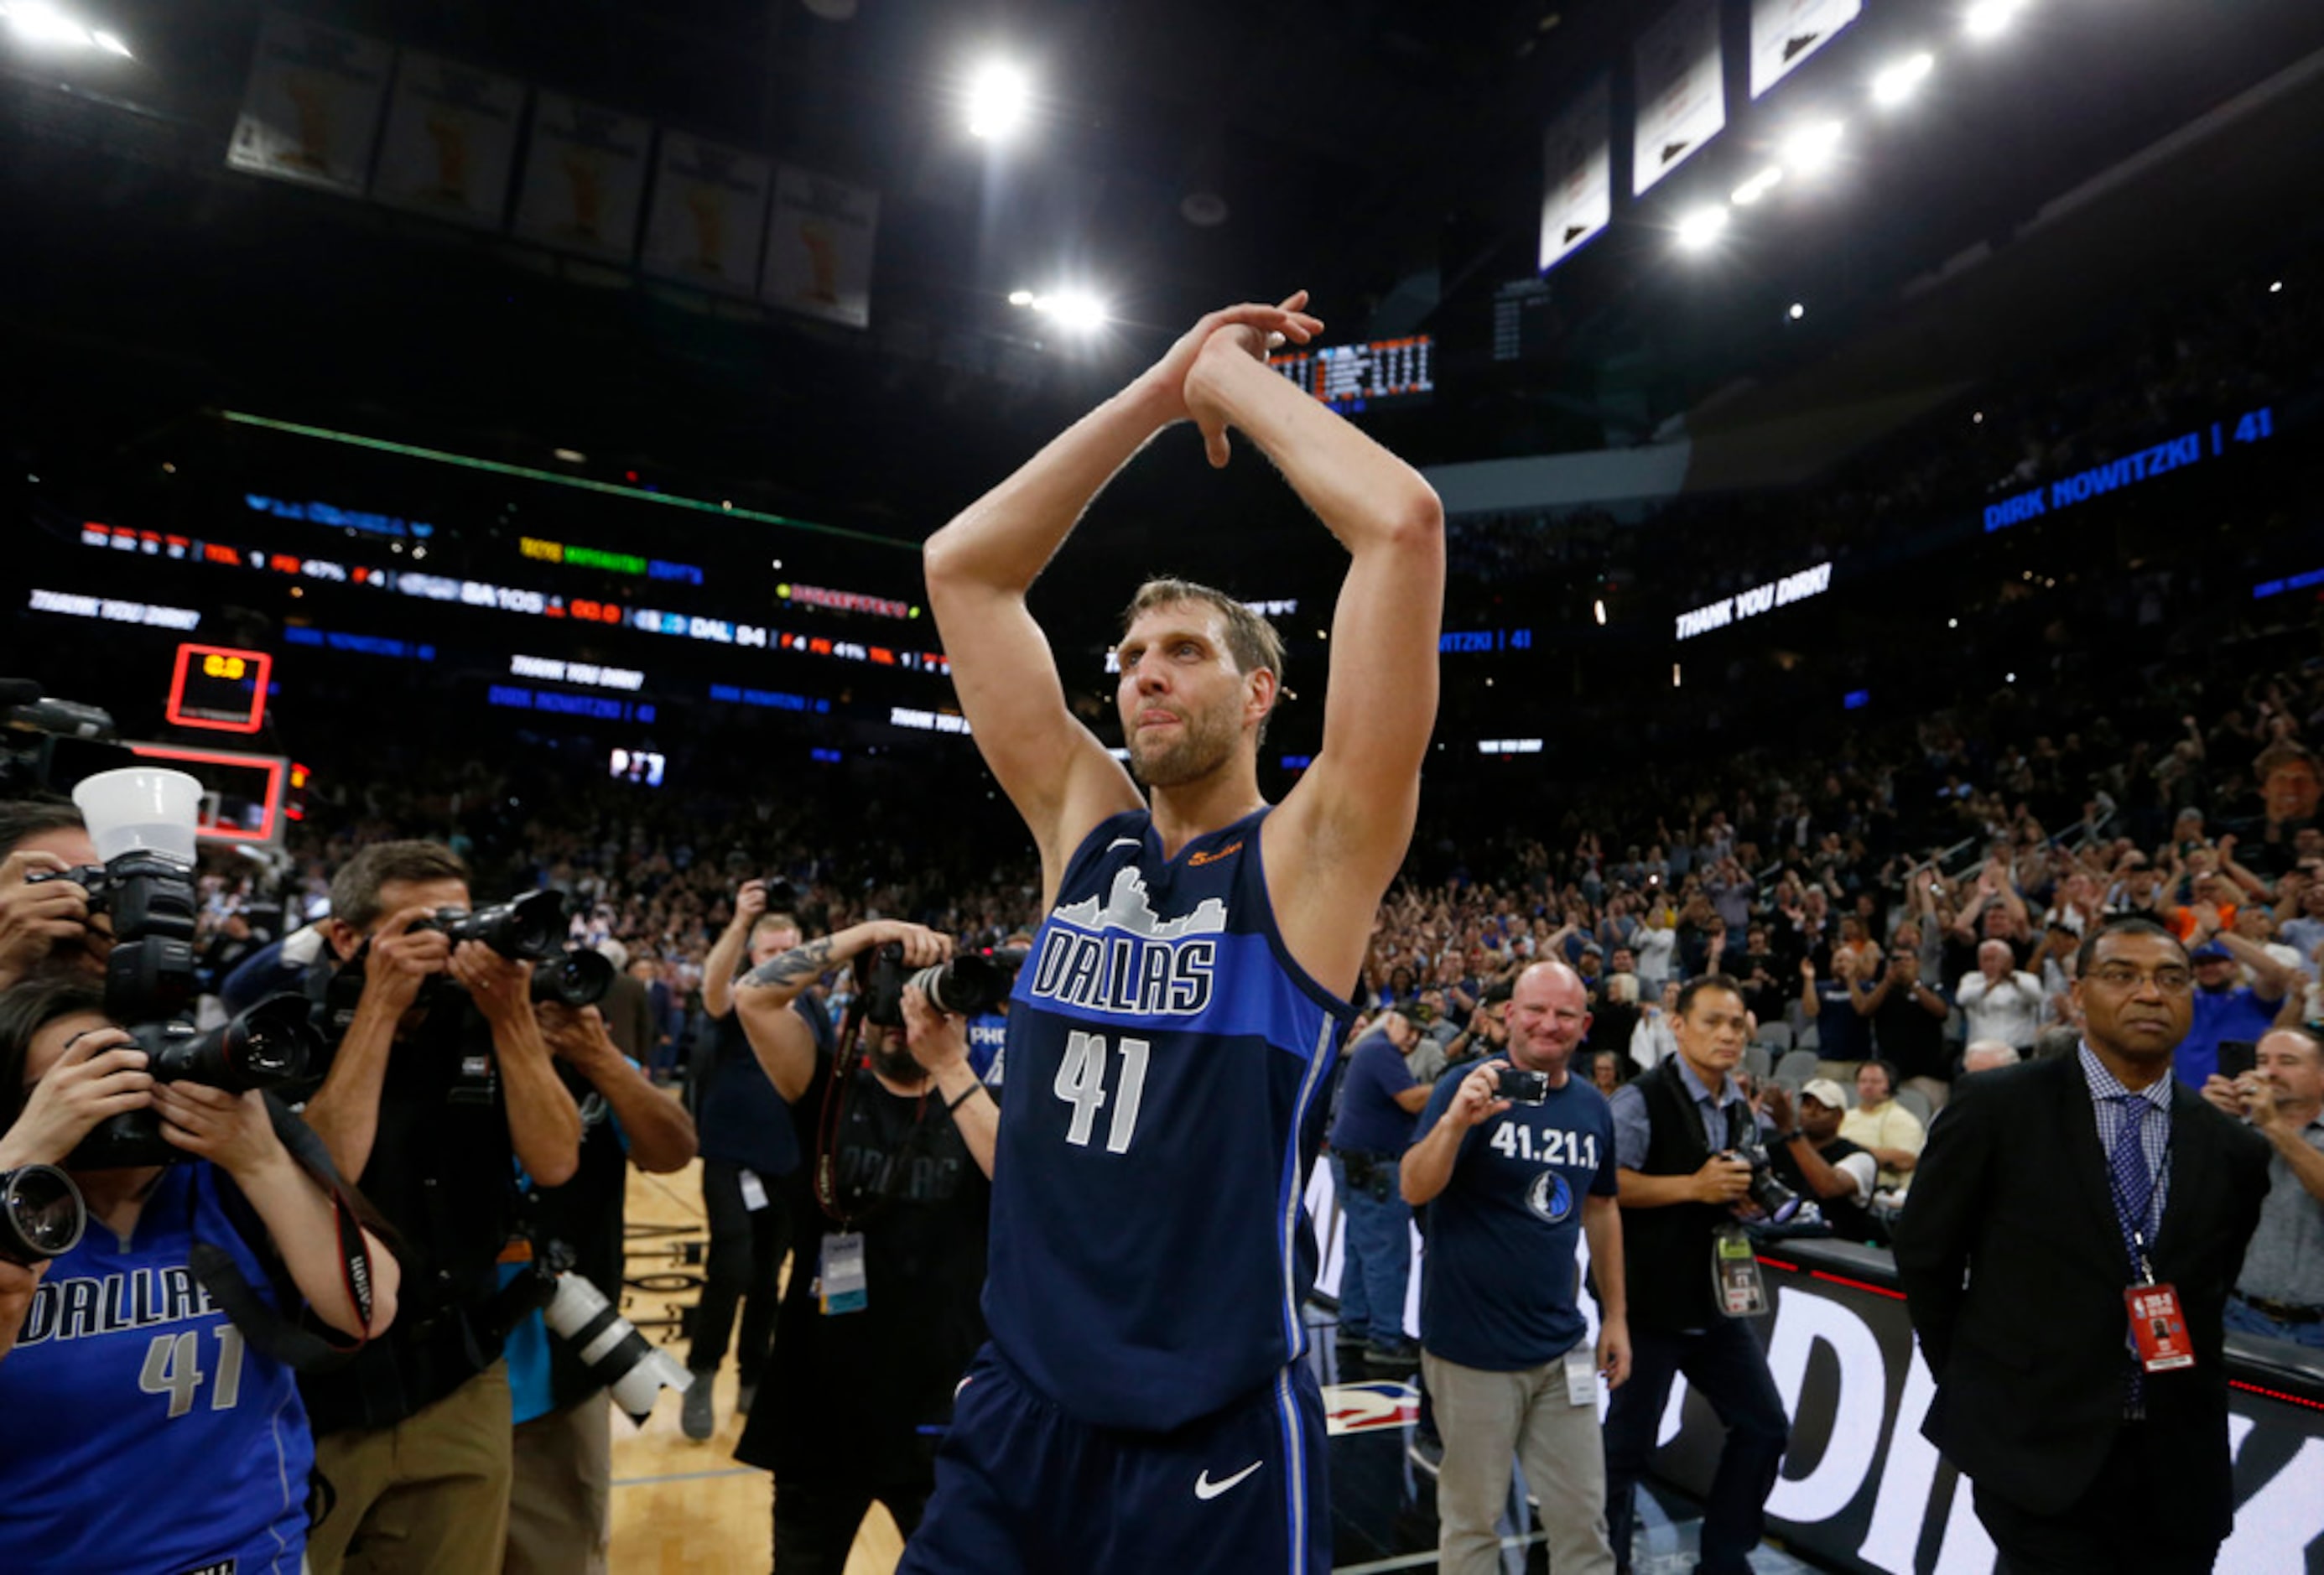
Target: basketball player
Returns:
[[1142, 1406]]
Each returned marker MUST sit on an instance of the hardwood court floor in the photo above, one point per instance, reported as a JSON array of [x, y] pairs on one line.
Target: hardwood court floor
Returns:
[[687, 1508]]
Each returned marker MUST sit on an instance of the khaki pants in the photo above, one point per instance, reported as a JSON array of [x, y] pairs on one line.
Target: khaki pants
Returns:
[[430, 1493], [561, 1502], [1487, 1420]]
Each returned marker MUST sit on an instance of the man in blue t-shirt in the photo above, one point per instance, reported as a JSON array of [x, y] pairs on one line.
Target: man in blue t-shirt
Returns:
[[1377, 1100], [2225, 1008], [1510, 1188]]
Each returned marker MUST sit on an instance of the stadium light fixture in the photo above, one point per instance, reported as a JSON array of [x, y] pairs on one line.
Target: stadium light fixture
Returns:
[[999, 95], [1990, 18], [38, 22], [1071, 308], [1699, 228], [2276, 288], [1758, 186], [1799, 309], [1811, 150], [1599, 607], [1895, 84]]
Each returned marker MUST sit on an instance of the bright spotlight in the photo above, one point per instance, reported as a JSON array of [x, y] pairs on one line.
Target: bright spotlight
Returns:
[[1599, 607], [1076, 309], [1758, 186], [1989, 18], [1813, 148], [1898, 82], [1799, 309], [1700, 228], [2276, 288], [1020, 298], [37, 21], [998, 94]]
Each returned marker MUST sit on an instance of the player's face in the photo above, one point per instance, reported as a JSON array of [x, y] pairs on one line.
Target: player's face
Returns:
[[1181, 697]]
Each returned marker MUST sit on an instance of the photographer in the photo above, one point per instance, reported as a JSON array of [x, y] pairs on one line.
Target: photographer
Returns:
[[747, 1150], [1692, 1281], [881, 1315], [431, 1098], [48, 923], [150, 1433], [561, 1498]]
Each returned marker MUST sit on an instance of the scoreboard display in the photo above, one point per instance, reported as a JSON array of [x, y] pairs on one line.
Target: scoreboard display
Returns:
[[1352, 378]]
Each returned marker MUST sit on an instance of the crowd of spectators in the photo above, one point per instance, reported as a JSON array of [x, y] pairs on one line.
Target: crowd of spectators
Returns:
[[2244, 346]]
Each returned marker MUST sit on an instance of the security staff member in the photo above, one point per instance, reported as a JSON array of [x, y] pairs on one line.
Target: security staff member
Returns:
[[1693, 1278]]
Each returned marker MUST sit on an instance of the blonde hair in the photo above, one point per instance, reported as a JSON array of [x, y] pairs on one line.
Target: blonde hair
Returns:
[[1252, 640]]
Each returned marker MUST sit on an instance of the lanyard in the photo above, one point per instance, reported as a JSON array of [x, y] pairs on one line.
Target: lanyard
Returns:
[[2134, 1232]]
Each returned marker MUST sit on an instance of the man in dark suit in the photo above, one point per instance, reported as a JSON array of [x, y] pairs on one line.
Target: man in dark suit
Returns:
[[2046, 1192]]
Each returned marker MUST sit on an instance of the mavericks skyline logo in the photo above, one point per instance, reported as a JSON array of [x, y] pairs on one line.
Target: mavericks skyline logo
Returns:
[[1118, 957]]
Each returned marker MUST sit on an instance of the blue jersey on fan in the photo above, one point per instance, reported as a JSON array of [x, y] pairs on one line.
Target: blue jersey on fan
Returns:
[[1167, 1066], [143, 1436]]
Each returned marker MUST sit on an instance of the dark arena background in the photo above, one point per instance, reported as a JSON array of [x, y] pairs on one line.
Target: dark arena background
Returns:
[[1877, 440]]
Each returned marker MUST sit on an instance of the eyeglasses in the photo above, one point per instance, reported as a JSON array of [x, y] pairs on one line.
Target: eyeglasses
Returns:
[[2122, 976]]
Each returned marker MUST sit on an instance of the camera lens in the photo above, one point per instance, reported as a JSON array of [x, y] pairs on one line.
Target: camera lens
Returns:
[[40, 1213]]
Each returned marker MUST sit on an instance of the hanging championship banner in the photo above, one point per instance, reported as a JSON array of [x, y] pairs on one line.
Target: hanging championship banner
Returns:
[[450, 143], [1783, 33], [1577, 159], [311, 111], [585, 178], [709, 210], [819, 247], [1682, 102]]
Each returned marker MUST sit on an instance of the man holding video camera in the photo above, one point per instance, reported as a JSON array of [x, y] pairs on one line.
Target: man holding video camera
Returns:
[[888, 1230], [1515, 1167], [431, 1095]]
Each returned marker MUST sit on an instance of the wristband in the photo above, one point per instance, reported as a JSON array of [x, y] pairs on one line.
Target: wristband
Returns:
[[973, 1088], [1787, 1136]]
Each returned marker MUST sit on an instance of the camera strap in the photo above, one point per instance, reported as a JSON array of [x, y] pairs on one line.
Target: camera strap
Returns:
[[287, 1340], [846, 1066]]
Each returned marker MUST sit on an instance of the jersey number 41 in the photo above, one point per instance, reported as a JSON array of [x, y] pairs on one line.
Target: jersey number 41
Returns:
[[1081, 1083]]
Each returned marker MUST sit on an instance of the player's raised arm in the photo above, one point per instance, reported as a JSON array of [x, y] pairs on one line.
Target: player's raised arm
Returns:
[[979, 566], [1349, 818]]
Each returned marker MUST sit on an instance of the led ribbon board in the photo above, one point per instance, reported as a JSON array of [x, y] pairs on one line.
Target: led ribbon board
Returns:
[[1750, 603]]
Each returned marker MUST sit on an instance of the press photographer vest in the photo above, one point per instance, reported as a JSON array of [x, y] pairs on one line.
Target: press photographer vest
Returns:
[[1667, 1251]]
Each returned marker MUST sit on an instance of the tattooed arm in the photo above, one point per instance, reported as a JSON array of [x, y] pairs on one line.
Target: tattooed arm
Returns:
[[780, 1037]]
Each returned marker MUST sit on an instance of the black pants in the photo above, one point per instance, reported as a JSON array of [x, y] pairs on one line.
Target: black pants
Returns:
[[1725, 1366], [816, 1523], [746, 1252], [2123, 1521]]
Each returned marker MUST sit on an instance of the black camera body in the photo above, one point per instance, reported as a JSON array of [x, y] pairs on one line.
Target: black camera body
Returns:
[[971, 982], [265, 1047], [1521, 1087], [150, 985], [532, 928], [1771, 1197], [529, 929]]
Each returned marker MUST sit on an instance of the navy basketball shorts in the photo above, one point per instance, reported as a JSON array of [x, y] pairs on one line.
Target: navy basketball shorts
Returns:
[[1023, 1488]]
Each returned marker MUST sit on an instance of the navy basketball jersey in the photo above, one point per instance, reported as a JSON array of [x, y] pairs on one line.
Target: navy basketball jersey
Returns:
[[163, 1443], [1166, 1065]]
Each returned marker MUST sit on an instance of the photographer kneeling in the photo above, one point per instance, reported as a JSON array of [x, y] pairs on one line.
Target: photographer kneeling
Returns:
[[888, 1219], [148, 1431]]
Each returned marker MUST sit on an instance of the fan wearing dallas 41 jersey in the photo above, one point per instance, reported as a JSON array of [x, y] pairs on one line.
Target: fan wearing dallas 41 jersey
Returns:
[[1142, 1406]]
